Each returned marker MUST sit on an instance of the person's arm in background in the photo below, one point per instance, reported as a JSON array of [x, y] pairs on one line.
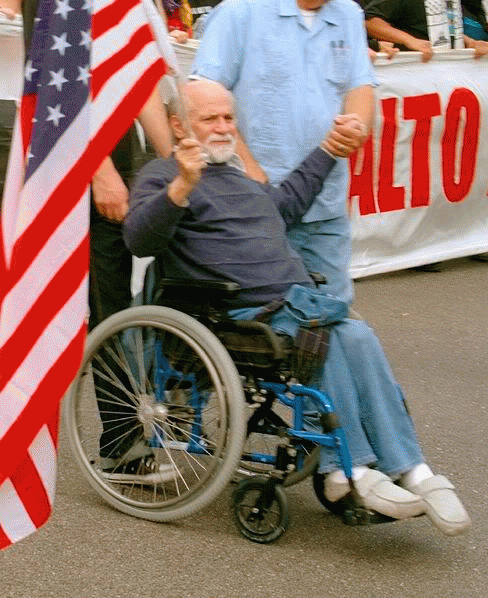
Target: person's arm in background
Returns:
[[352, 128], [383, 31], [10, 8], [154, 121], [251, 165], [480, 47], [110, 195]]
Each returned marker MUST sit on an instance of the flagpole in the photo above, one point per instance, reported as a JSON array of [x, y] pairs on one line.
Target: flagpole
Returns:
[[157, 19]]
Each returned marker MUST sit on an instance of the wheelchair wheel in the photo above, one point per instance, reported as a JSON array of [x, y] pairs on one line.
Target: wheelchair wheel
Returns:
[[260, 510], [156, 386]]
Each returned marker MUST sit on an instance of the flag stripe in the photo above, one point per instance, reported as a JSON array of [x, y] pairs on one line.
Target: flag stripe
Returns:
[[65, 196], [31, 491], [104, 71], [67, 279], [110, 16], [5, 541], [46, 179], [42, 356], [43, 401], [53, 426], [14, 519], [28, 108], [106, 101], [33, 281], [42, 451]]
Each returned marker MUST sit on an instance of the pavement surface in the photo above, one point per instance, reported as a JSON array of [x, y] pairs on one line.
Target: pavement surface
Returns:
[[434, 329]]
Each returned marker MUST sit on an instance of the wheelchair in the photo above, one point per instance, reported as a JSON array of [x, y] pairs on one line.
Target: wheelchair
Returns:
[[212, 399]]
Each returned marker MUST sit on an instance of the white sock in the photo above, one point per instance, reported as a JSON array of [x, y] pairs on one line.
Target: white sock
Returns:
[[339, 477], [416, 475]]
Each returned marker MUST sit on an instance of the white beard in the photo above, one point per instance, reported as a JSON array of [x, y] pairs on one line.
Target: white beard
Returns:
[[219, 155]]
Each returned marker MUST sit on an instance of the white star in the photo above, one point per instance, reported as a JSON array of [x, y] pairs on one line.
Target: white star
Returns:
[[29, 71], [55, 114], [88, 5], [58, 79], [85, 39], [60, 43], [84, 74], [63, 8]]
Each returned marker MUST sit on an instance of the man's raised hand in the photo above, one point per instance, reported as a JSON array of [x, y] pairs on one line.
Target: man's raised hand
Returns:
[[190, 161]]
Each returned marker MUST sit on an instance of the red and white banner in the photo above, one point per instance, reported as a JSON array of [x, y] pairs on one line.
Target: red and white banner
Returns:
[[419, 187]]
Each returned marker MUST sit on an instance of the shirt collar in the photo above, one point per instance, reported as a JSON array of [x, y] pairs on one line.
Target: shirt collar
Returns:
[[289, 8]]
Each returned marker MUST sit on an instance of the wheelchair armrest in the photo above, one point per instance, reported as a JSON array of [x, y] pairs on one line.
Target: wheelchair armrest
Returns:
[[195, 297], [260, 330], [222, 286]]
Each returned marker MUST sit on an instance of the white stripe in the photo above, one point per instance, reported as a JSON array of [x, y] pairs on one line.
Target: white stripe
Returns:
[[43, 454], [56, 165], [14, 519], [111, 95], [117, 37], [44, 353], [99, 4], [59, 248], [13, 184], [160, 32]]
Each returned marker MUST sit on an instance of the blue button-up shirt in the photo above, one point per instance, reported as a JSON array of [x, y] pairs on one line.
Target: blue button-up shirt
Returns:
[[289, 81]]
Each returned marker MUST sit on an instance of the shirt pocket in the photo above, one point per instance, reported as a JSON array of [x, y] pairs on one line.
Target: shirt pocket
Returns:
[[337, 64]]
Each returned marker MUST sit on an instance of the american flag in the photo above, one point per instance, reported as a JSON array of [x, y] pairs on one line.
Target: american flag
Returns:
[[89, 72]]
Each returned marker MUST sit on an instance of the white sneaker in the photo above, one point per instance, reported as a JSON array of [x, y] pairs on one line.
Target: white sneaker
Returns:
[[379, 494]]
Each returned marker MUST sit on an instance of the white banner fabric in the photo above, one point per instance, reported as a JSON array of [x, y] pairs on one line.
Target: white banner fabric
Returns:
[[419, 187]]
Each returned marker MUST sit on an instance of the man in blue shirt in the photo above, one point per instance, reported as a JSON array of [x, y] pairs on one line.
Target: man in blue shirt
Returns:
[[293, 66]]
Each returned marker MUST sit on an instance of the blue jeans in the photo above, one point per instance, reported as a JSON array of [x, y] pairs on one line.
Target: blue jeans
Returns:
[[367, 399], [369, 403], [325, 247]]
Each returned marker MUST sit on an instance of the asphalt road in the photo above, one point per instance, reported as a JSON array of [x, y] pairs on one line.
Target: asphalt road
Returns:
[[434, 328]]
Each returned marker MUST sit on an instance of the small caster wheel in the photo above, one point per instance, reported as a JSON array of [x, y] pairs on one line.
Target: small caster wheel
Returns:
[[260, 510]]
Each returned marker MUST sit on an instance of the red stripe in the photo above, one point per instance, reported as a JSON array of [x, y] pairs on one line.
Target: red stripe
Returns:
[[5, 542], [67, 193], [110, 16], [31, 491], [52, 299], [53, 427], [105, 70], [27, 110], [42, 405]]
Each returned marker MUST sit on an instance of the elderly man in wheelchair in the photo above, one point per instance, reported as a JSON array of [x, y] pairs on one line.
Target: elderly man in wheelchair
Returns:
[[167, 424]]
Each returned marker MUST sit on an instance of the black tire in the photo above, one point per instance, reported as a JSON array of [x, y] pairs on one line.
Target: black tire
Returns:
[[196, 425], [269, 523], [337, 508]]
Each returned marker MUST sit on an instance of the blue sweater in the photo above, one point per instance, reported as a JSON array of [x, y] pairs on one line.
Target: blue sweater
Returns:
[[234, 228]]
